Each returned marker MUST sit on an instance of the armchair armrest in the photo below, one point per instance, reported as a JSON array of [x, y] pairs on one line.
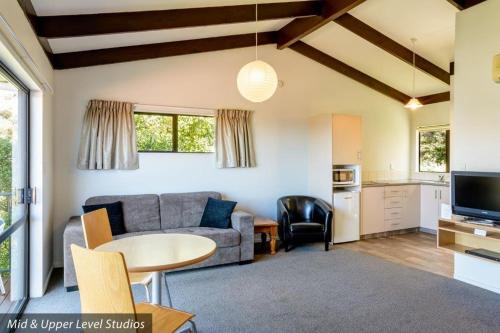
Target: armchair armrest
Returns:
[[73, 234], [327, 217], [283, 220], [243, 222]]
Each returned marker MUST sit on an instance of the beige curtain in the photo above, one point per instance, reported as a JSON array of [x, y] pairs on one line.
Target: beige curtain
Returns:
[[108, 137], [234, 143]]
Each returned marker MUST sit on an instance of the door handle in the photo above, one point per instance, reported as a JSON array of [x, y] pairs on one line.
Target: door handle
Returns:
[[439, 194], [347, 198], [435, 194]]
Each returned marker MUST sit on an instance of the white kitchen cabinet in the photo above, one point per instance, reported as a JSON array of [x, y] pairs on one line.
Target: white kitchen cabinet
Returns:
[[431, 198], [372, 210], [347, 139], [411, 207]]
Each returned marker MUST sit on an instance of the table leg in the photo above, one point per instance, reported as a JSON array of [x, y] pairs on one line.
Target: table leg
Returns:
[[156, 288], [169, 299], [274, 232]]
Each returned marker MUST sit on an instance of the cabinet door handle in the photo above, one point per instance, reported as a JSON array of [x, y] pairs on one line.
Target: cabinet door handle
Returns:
[[439, 194], [435, 194], [347, 198]]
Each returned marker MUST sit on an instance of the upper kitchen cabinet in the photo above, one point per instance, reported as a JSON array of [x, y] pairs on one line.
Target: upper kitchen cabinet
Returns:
[[347, 139]]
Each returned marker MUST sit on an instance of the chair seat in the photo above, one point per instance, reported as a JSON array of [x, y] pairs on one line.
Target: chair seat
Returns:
[[140, 278], [164, 319], [306, 227]]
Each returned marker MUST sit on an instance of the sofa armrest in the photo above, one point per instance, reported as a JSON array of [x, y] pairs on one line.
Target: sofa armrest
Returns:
[[243, 222], [73, 234]]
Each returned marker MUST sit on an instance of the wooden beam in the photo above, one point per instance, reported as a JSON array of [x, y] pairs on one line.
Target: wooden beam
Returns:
[[348, 71], [301, 27], [435, 98], [108, 23], [464, 4], [30, 13], [387, 44], [151, 51]]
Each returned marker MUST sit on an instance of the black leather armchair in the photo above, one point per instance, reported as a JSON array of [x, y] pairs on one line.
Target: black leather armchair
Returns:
[[304, 219]]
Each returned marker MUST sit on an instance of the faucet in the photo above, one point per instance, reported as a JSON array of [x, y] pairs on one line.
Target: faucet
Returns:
[[441, 178]]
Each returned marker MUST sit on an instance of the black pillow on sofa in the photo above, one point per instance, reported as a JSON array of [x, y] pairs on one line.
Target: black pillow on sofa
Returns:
[[115, 216], [217, 213]]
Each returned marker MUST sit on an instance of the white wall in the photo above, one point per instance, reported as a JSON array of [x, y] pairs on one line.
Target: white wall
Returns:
[[208, 80], [21, 52], [476, 114], [429, 115]]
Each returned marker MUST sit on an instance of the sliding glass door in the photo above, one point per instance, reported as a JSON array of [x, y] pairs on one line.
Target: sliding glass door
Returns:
[[15, 196]]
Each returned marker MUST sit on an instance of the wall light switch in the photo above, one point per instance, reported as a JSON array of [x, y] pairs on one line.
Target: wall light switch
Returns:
[[496, 68]]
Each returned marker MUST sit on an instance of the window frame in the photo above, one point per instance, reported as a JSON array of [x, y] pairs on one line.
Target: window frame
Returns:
[[446, 128], [175, 132]]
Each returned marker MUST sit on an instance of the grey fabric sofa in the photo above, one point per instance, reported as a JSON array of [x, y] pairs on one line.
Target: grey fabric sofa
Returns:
[[169, 213]]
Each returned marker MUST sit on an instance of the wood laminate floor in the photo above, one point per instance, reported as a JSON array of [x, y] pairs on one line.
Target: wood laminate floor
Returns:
[[417, 250]]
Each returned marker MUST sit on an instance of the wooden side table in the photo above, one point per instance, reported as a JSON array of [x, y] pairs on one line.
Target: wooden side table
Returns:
[[267, 226]]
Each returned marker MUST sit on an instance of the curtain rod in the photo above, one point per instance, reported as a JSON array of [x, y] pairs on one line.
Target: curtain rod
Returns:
[[174, 106]]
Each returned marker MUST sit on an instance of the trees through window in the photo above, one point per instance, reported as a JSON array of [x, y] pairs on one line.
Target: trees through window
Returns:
[[174, 133]]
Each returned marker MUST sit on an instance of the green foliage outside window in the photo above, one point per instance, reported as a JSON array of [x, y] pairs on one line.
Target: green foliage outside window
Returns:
[[174, 133], [196, 134], [154, 132], [433, 150]]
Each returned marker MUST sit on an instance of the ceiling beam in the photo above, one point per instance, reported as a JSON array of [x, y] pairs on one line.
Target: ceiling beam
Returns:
[[343, 68], [435, 98], [464, 4], [159, 50], [452, 68], [356, 75], [363, 30], [108, 23], [301, 27]]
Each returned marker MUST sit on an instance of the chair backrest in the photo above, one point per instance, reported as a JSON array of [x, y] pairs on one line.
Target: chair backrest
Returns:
[[299, 207], [96, 228], [103, 281]]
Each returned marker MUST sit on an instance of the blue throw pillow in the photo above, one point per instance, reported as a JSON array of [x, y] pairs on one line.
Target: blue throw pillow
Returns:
[[115, 216], [217, 213]]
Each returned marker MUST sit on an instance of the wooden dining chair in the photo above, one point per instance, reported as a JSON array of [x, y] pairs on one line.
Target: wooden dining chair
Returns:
[[105, 289], [97, 231]]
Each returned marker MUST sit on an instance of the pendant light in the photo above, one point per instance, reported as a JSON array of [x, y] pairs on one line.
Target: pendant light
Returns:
[[257, 81], [413, 103]]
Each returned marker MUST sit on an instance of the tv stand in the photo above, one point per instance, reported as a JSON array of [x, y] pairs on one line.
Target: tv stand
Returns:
[[458, 235], [476, 220]]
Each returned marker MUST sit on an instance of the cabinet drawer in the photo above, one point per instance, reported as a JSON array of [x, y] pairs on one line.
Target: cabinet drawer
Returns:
[[393, 213], [393, 191], [395, 224], [393, 202]]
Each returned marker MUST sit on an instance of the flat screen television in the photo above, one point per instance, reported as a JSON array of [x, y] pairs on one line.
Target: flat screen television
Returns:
[[476, 194]]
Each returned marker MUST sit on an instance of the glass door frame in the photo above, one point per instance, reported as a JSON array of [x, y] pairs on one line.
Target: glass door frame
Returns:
[[25, 220]]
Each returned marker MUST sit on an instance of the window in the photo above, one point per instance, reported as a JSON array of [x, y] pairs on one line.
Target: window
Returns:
[[174, 133], [434, 150]]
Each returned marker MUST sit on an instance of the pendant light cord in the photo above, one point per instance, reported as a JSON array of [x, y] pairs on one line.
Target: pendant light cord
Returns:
[[413, 40], [256, 29]]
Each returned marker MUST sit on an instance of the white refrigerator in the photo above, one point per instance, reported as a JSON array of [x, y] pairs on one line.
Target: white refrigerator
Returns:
[[346, 216]]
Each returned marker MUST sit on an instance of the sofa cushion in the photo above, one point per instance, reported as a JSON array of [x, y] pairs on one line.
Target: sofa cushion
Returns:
[[217, 213], [140, 212], [182, 210], [115, 216], [221, 237], [137, 233]]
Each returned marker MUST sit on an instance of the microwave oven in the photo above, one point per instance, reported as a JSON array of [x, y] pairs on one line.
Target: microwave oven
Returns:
[[344, 176]]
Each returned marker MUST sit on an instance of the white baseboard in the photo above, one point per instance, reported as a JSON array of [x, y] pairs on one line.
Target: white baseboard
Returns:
[[477, 283]]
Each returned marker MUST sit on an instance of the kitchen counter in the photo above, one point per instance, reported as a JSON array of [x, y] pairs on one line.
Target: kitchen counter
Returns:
[[380, 183]]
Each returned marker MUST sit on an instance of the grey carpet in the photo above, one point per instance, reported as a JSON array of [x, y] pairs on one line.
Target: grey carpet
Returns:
[[309, 290]]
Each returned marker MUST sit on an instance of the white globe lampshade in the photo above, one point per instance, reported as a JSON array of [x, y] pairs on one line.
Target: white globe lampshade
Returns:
[[257, 81]]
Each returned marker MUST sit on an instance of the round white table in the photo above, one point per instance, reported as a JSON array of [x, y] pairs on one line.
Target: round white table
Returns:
[[156, 253]]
